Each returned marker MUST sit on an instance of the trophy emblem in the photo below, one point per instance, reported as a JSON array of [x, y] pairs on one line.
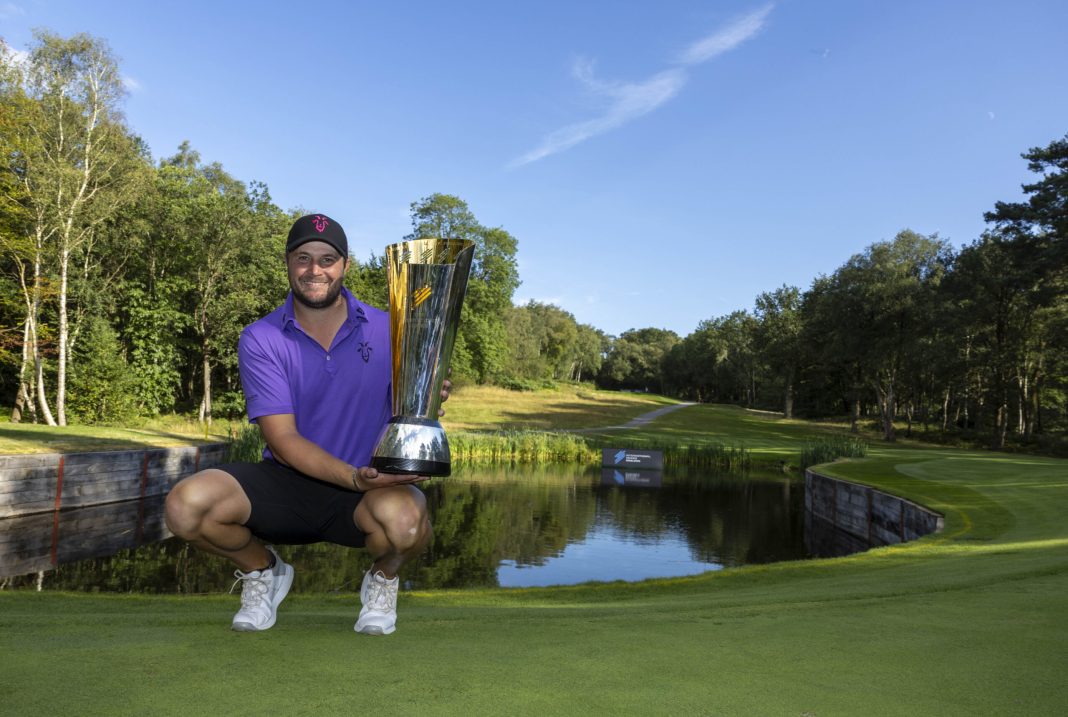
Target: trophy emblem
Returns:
[[427, 283]]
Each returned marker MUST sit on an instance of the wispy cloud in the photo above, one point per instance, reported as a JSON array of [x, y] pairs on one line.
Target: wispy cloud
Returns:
[[130, 84], [726, 39], [627, 101]]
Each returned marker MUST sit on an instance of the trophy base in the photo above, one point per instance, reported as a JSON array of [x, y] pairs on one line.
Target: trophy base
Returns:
[[412, 446]]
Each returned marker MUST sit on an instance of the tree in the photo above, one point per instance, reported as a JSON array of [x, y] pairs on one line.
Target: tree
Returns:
[[880, 298], [101, 381], [79, 168], [1031, 240], [481, 346], [15, 237], [636, 360], [209, 262], [1041, 223], [777, 337], [591, 345]]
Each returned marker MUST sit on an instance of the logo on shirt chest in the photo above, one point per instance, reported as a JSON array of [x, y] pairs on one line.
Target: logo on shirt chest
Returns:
[[365, 350]]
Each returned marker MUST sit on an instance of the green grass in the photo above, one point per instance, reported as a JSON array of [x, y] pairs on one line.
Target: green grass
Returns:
[[474, 408], [973, 621], [19, 438]]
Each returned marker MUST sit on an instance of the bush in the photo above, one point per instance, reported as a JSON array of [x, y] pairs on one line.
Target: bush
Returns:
[[100, 389], [514, 383]]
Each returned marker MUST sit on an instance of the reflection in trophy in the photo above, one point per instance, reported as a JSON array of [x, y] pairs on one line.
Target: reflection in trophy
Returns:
[[427, 282]]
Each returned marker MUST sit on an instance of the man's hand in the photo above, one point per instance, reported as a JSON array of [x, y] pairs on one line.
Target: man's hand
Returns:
[[367, 478], [446, 388]]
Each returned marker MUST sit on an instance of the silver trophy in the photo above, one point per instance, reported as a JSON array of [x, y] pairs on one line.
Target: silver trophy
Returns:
[[427, 282]]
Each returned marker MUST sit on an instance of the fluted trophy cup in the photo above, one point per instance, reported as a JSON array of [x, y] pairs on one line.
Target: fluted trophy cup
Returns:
[[427, 282]]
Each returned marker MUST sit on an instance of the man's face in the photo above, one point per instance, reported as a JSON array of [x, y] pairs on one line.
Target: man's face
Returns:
[[315, 274]]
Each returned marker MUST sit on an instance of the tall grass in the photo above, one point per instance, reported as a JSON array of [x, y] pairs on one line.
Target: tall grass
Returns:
[[520, 447], [825, 450], [539, 447], [524, 447], [246, 444]]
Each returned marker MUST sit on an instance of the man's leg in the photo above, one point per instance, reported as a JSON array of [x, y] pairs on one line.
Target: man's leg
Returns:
[[396, 524], [209, 510], [397, 527]]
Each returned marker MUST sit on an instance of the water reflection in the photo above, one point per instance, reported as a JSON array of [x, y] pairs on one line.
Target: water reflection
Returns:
[[492, 527]]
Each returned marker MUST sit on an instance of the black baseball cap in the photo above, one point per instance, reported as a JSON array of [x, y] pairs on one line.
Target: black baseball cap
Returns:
[[318, 227]]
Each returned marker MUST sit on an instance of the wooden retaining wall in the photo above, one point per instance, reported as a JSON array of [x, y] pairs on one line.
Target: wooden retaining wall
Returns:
[[42, 541], [52, 482], [866, 513]]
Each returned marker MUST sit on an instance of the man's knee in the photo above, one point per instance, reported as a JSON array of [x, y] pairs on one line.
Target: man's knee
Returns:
[[210, 494], [401, 513]]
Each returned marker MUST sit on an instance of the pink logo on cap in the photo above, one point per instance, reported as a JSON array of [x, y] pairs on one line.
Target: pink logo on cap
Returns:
[[320, 223]]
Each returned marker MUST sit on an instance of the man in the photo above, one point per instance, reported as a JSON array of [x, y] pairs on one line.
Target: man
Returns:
[[316, 376]]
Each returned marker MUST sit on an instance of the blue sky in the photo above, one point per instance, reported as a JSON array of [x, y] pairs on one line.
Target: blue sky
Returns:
[[660, 163]]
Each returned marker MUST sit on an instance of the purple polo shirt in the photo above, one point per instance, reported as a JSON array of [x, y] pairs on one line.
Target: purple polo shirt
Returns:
[[340, 398]]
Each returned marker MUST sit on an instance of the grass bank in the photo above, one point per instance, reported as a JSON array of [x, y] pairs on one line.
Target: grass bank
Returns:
[[471, 409], [478, 408], [20, 438], [971, 621]]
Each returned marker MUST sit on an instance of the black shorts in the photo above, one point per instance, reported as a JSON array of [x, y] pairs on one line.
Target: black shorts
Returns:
[[290, 508]]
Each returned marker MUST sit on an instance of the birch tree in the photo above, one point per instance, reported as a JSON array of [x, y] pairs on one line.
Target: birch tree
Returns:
[[78, 171]]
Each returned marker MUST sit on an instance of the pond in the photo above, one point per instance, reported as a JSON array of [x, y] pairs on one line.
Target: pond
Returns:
[[506, 527]]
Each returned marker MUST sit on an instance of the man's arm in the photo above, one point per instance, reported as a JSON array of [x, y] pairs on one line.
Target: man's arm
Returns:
[[294, 450]]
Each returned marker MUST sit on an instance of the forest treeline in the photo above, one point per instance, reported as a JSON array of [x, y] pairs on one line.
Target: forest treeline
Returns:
[[125, 281]]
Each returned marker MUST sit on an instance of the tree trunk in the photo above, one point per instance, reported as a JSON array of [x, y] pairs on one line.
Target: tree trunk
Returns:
[[945, 410], [854, 419], [1001, 426], [21, 398], [205, 402], [64, 336], [886, 408], [1021, 402], [42, 399], [788, 395], [1036, 410], [35, 348]]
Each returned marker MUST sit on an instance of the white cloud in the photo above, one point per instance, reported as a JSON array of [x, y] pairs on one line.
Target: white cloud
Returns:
[[130, 84], [726, 39], [9, 10], [627, 101]]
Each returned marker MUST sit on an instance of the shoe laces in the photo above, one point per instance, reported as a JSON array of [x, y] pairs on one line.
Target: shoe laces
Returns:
[[381, 596], [255, 588]]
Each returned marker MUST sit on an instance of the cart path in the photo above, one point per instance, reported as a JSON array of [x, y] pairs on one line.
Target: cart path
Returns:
[[639, 421]]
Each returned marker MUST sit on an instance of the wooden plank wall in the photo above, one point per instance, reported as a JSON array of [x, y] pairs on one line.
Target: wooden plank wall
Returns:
[[870, 515], [41, 541], [50, 482]]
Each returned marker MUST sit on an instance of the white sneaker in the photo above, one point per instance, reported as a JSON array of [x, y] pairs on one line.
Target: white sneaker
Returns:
[[261, 594], [379, 597]]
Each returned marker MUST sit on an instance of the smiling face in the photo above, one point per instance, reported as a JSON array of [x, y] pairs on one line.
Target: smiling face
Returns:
[[315, 272]]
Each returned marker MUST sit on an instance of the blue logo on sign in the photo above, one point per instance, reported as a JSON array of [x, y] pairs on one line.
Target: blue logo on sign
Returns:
[[620, 456], [618, 477]]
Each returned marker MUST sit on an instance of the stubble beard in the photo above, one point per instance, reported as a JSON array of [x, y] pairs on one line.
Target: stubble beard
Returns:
[[327, 301]]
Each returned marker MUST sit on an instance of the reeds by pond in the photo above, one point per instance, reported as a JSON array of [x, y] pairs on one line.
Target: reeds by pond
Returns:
[[523, 447], [825, 450]]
